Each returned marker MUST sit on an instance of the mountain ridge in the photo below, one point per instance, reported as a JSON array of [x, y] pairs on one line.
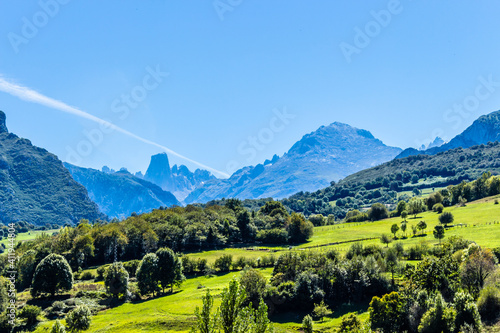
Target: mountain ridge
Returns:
[[329, 153], [36, 188]]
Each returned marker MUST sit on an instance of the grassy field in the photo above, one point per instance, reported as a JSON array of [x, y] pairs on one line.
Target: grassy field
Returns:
[[25, 236], [478, 221]]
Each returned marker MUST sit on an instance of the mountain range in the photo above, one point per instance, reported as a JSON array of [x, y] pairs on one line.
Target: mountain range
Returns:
[[178, 179], [35, 187], [483, 130], [119, 194], [327, 154]]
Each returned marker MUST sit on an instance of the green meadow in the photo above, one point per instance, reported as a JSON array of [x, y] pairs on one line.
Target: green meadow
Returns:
[[477, 221]]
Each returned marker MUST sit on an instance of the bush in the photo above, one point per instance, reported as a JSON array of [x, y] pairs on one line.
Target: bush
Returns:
[[131, 267], [116, 279], [350, 323], [438, 208], [87, 276], [273, 236], [223, 264], [58, 327], [307, 324], [30, 312], [100, 272], [79, 318], [489, 303], [446, 218], [377, 212]]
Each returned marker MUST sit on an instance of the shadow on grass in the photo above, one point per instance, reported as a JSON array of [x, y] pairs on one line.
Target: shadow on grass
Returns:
[[338, 311]]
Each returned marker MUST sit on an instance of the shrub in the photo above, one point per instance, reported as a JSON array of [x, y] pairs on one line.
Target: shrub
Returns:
[[58, 327], [131, 267], [489, 303], [223, 263], [79, 318], [273, 236], [30, 312], [100, 272], [438, 208], [350, 323], [446, 218], [377, 212], [87, 276], [116, 279], [307, 324]]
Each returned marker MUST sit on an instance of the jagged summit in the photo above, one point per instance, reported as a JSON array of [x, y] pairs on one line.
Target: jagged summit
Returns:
[[3, 124]]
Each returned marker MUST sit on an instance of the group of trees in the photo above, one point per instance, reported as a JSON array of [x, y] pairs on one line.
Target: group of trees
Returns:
[[178, 228], [443, 293]]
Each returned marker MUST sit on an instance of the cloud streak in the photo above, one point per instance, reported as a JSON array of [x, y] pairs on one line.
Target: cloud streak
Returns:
[[33, 96]]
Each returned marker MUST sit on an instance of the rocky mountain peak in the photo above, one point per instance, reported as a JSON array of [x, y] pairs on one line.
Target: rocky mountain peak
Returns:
[[3, 124]]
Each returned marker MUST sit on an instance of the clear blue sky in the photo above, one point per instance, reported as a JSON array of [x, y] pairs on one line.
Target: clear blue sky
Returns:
[[231, 66]]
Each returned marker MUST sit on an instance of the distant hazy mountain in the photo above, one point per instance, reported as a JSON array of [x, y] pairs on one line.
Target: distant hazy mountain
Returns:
[[328, 154], [485, 129], [36, 188], [436, 143], [178, 179], [118, 194]]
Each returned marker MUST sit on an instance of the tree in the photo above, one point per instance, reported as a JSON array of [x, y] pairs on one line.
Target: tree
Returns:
[[394, 229], [233, 298], [223, 263], [446, 218], [52, 274], [205, 323], [414, 230], [422, 226], [299, 229], [30, 312], [404, 215], [467, 312], [391, 261], [169, 268], [386, 312], [147, 274], [401, 207], [385, 239], [116, 279], [26, 267], [321, 310], [439, 318], [79, 319], [350, 323], [317, 220], [307, 324], [403, 228], [58, 327], [476, 266], [254, 284], [488, 303], [438, 232], [377, 212], [438, 208], [416, 206]]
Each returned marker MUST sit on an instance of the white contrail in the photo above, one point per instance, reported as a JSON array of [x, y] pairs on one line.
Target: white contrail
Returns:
[[33, 96]]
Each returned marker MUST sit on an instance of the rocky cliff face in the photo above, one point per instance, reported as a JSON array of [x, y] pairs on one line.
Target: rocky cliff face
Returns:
[[119, 194], [330, 153], [485, 129], [36, 188], [178, 179]]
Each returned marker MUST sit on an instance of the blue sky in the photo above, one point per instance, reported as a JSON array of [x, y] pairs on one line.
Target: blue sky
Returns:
[[207, 79]]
